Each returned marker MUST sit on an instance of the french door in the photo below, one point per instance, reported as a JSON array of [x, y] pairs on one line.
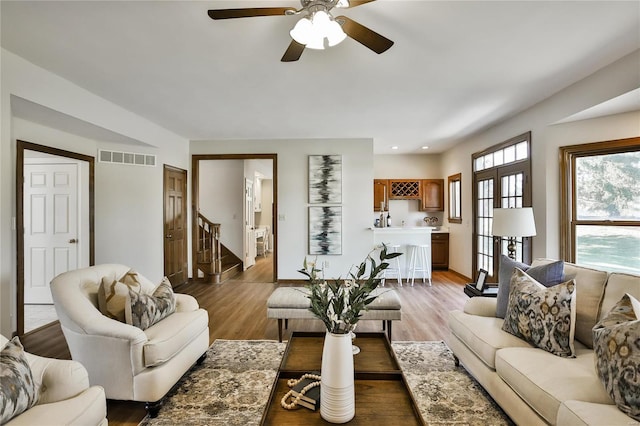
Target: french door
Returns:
[[500, 186]]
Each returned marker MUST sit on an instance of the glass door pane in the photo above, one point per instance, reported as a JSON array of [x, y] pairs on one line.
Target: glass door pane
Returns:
[[484, 217]]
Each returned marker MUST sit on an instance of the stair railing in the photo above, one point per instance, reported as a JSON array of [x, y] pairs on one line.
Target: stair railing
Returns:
[[208, 247]]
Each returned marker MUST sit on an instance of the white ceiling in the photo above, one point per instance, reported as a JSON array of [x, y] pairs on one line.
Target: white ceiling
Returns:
[[457, 67]]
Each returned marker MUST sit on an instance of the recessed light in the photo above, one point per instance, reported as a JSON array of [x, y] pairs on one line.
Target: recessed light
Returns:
[[394, 147], [425, 147]]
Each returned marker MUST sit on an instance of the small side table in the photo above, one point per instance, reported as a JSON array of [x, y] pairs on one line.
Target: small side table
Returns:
[[489, 290]]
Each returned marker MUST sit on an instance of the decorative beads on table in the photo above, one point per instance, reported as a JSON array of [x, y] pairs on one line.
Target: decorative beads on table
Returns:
[[291, 383]]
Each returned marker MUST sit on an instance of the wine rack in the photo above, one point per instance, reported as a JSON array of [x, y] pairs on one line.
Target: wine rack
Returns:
[[405, 189]]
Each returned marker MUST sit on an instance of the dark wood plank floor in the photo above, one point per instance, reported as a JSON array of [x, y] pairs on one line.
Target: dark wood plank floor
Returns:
[[238, 310]]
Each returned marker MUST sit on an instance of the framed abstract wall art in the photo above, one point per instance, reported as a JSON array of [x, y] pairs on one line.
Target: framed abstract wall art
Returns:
[[325, 230], [325, 179]]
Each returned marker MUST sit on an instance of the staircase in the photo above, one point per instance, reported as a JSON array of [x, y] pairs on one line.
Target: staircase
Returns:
[[214, 260]]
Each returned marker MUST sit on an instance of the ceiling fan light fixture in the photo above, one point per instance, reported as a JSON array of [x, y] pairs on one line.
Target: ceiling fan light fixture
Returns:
[[311, 31], [335, 34], [303, 31]]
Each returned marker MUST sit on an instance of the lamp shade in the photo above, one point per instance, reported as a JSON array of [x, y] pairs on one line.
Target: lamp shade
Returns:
[[514, 222]]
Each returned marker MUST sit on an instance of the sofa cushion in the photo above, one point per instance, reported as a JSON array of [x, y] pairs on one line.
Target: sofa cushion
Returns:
[[580, 413], [113, 294], [483, 335], [169, 336], [616, 340], [144, 310], [590, 285], [619, 284], [544, 381], [548, 274], [542, 316], [18, 392]]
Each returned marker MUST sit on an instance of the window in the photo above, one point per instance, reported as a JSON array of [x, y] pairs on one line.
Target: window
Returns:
[[500, 180], [455, 198], [601, 205]]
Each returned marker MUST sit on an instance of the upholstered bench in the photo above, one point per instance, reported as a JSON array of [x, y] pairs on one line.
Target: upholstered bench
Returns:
[[287, 303]]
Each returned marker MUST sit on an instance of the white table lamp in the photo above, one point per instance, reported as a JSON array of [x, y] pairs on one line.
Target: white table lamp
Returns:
[[512, 223]]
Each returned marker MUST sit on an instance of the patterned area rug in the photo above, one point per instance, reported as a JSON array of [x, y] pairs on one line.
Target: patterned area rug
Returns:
[[232, 386]]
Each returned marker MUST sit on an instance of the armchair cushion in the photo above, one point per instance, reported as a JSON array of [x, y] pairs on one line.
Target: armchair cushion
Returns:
[[144, 310], [169, 337], [113, 294], [18, 392]]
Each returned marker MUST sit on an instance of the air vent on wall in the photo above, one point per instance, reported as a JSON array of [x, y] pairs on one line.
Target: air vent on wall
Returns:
[[130, 158]]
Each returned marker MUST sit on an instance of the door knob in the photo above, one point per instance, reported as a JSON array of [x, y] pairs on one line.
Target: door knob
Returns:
[[169, 236], [73, 241]]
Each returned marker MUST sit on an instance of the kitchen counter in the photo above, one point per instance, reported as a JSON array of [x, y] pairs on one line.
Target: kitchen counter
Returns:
[[411, 229]]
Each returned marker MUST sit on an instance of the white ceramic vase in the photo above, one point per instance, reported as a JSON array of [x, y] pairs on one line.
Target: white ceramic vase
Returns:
[[337, 390]]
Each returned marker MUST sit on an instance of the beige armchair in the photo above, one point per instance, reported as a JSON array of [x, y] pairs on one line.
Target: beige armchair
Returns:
[[65, 397], [130, 363]]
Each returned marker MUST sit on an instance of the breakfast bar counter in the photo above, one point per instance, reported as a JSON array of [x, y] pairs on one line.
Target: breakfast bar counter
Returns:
[[405, 238]]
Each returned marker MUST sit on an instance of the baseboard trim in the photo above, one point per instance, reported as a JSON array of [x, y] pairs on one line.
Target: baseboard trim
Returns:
[[464, 277]]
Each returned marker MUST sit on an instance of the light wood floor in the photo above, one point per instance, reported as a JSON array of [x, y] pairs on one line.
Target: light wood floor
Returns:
[[238, 310]]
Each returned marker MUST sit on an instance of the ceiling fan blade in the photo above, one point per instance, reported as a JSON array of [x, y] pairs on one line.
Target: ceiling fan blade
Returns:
[[364, 35], [356, 3], [293, 53], [248, 12]]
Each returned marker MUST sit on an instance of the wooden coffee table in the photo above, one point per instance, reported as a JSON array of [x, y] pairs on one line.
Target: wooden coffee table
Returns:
[[382, 394]]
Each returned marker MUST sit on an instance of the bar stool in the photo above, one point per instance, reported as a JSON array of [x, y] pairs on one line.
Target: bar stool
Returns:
[[420, 261], [394, 265]]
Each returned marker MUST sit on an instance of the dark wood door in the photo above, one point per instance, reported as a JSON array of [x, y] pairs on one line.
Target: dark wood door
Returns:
[[175, 224]]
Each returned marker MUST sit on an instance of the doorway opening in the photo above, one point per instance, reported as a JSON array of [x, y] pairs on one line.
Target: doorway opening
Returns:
[[55, 224], [236, 195]]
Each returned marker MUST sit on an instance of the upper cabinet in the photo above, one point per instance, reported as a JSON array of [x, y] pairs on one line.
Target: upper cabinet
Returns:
[[428, 192], [404, 189], [432, 195], [380, 194]]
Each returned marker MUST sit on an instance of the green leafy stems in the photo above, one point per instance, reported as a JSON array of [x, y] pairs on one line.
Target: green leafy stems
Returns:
[[339, 303]]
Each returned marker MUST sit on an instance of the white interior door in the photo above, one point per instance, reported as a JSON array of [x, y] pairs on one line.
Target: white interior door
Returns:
[[249, 225], [50, 225]]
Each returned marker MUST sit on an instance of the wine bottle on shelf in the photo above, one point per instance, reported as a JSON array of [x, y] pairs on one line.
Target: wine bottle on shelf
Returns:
[[389, 219]]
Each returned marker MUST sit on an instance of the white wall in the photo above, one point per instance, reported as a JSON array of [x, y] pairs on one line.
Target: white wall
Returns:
[[129, 205], [292, 163], [618, 78], [221, 189]]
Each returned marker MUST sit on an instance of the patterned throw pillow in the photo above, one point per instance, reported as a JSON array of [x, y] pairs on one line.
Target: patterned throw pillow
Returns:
[[547, 275], [18, 392], [113, 294], [616, 341], [144, 310], [544, 317]]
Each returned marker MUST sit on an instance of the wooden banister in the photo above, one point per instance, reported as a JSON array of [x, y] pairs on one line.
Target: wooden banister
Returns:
[[208, 247]]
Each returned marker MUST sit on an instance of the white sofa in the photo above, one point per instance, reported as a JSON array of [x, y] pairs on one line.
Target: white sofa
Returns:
[[65, 397], [130, 363], [535, 387]]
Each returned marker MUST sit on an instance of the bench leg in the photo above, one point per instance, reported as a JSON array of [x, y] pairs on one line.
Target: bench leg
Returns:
[[384, 325], [280, 330], [286, 323], [389, 329]]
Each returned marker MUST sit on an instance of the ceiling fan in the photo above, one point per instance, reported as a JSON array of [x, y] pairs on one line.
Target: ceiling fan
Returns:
[[317, 27]]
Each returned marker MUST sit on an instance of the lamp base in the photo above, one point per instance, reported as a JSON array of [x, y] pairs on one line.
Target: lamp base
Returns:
[[512, 248]]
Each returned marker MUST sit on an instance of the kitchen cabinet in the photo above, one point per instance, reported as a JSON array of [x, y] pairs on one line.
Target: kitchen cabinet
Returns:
[[440, 250], [432, 195], [380, 194], [404, 189]]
